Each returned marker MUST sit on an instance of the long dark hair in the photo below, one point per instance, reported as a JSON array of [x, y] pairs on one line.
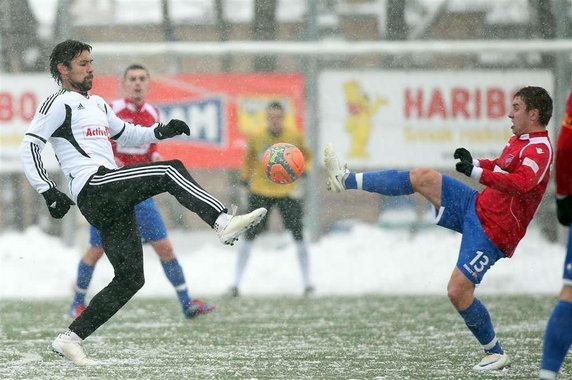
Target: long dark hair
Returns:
[[65, 52]]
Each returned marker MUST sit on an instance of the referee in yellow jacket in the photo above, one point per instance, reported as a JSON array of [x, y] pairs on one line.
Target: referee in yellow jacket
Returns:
[[264, 193]]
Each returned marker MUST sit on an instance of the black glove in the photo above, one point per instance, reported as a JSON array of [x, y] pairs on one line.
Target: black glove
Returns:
[[564, 210], [58, 203], [466, 164], [463, 155], [171, 129], [464, 167]]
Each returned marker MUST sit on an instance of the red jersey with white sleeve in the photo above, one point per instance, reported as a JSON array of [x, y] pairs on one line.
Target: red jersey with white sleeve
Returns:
[[145, 115], [515, 183], [563, 162]]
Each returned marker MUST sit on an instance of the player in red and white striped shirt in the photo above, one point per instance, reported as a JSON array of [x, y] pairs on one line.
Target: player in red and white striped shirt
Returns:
[[492, 222]]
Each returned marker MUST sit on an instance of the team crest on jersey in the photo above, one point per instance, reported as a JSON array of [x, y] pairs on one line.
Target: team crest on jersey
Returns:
[[508, 159], [96, 131], [101, 107]]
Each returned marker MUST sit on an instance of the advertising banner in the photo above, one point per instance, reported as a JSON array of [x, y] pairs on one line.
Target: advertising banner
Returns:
[[398, 119], [220, 109]]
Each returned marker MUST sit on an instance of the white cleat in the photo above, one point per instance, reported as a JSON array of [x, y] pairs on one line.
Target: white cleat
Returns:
[[336, 171], [493, 362], [233, 225], [72, 350], [547, 375]]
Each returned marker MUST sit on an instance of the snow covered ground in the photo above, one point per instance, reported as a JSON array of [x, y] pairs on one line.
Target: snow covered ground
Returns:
[[364, 259]]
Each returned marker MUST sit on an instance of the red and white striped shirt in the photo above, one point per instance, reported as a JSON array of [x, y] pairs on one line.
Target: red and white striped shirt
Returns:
[[145, 115]]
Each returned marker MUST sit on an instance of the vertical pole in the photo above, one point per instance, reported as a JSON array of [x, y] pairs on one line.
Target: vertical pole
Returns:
[[63, 21], [310, 70], [169, 35]]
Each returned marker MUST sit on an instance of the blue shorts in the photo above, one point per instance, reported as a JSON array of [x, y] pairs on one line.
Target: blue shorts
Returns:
[[477, 253], [567, 276], [149, 221]]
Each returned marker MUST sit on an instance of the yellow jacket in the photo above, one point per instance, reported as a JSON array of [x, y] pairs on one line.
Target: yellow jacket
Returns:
[[252, 170]]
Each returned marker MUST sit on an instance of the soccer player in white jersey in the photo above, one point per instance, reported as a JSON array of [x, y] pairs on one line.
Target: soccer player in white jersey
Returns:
[[79, 126], [135, 109], [493, 221]]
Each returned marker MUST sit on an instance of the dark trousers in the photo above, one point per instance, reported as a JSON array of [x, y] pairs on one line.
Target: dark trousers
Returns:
[[107, 201], [291, 211]]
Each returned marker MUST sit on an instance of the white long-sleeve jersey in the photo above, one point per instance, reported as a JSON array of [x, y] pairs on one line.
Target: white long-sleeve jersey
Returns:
[[79, 128]]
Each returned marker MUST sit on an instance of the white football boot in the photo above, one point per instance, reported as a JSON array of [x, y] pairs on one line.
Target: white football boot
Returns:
[[336, 171], [493, 362], [547, 375], [229, 227], [71, 349]]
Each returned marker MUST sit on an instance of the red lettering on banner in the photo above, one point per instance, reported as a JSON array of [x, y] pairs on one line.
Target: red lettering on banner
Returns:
[[6, 107], [413, 102], [437, 105], [458, 102], [460, 98], [12, 106], [28, 104], [477, 103]]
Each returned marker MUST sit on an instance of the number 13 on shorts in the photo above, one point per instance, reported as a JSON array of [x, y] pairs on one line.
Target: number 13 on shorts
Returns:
[[480, 262], [477, 266]]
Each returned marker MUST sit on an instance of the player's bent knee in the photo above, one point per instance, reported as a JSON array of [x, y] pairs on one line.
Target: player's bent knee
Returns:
[[133, 283], [423, 177], [457, 296]]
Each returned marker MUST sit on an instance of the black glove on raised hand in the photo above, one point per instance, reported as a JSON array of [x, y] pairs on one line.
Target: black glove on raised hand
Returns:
[[463, 155], [171, 129], [58, 203], [466, 164], [464, 167]]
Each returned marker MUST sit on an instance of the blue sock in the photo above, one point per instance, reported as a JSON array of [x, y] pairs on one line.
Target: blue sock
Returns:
[[174, 273], [84, 274], [558, 336], [478, 320], [386, 182]]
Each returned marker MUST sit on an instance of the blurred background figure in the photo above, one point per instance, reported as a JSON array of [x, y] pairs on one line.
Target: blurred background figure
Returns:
[[134, 109], [558, 335], [264, 193]]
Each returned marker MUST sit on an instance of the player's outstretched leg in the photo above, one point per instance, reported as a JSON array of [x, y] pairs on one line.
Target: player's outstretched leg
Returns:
[[229, 227], [337, 172], [385, 182]]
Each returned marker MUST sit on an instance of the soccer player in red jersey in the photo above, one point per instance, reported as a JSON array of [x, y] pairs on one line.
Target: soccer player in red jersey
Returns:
[[134, 109], [558, 335], [493, 221]]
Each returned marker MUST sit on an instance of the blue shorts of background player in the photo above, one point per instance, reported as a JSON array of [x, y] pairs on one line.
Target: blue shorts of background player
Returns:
[[149, 221], [477, 253]]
